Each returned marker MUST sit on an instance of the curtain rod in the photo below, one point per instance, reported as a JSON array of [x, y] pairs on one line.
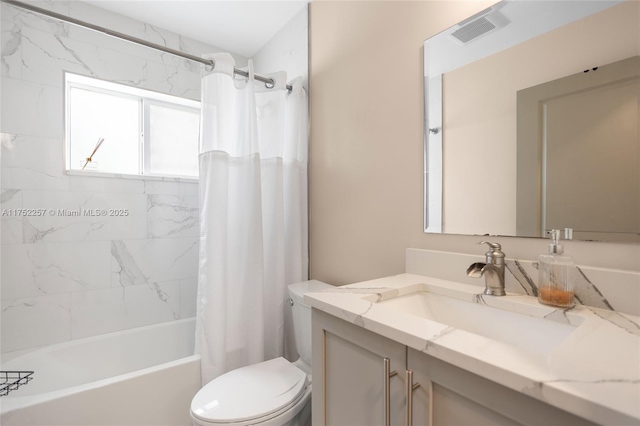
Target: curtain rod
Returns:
[[209, 62]]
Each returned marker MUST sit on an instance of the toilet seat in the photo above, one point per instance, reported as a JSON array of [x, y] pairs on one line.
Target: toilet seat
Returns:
[[250, 394]]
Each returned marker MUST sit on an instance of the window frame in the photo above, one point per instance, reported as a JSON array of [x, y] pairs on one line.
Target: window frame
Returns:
[[145, 98]]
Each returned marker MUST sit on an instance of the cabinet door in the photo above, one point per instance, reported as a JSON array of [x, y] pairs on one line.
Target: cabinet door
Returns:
[[349, 375], [449, 395]]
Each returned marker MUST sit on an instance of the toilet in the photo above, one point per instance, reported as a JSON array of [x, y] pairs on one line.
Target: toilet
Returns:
[[271, 393]]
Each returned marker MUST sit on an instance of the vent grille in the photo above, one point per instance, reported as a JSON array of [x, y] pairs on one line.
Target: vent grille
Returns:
[[473, 30]]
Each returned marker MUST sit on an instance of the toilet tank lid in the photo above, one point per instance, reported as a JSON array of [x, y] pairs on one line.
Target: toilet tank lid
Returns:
[[297, 291]]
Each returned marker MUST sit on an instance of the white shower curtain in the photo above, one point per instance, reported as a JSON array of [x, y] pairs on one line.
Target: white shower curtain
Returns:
[[253, 215]]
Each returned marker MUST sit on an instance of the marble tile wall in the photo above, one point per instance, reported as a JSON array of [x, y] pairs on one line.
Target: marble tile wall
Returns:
[[64, 276]]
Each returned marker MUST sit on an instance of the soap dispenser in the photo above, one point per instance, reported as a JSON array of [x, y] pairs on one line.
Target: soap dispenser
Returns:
[[556, 275]]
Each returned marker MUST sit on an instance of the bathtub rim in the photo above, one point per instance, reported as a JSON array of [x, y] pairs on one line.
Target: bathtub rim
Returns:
[[10, 403], [19, 402]]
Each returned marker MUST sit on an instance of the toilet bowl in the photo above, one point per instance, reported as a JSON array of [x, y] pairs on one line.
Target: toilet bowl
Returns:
[[271, 393]]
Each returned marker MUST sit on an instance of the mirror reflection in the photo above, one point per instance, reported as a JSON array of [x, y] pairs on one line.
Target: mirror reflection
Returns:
[[532, 118]]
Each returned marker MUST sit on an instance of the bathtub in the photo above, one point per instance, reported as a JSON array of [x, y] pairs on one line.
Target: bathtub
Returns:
[[143, 376]]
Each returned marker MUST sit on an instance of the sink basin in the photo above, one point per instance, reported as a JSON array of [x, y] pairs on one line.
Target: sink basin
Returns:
[[538, 335]]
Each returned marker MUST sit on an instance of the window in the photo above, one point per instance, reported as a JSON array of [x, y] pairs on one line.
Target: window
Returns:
[[114, 128]]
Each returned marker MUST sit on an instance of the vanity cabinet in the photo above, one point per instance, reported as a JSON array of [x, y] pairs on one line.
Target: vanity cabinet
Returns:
[[350, 375], [353, 368], [447, 395]]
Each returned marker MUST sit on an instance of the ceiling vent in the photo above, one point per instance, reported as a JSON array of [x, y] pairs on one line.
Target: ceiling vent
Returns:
[[478, 25]]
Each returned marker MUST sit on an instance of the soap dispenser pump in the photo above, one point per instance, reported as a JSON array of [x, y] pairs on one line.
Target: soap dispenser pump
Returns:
[[556, 275]]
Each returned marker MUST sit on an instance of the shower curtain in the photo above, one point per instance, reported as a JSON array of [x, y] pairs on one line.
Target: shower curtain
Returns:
[[253, 214]]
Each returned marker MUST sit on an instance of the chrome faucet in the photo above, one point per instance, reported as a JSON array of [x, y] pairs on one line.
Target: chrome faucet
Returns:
[[492, 269]]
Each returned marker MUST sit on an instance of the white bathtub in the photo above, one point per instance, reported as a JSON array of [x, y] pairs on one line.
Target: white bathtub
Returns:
[[143, 376]]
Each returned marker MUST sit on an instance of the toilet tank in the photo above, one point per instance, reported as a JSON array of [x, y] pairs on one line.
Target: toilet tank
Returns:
[[301, 315]]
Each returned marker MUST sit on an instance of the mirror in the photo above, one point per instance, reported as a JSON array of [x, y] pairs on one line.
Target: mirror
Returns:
[[532, 122]]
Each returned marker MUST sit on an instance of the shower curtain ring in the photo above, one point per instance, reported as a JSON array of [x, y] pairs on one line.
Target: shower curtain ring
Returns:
[[211, 65], [271, 84]]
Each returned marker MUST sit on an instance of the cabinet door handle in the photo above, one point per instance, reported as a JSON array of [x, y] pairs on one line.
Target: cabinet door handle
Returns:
[[388, 374], [410, 388]]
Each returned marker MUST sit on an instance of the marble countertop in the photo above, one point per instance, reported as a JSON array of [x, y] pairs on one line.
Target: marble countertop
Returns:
[[593, 373]]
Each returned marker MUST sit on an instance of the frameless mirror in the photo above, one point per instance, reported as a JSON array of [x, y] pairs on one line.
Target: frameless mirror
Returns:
[[532, 121]]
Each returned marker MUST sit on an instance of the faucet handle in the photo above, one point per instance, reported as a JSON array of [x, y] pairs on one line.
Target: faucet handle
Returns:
[[495, 252], [493, 246]]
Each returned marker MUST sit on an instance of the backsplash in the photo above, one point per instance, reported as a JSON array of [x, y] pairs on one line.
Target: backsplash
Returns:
[[67, 277], [610, 289]]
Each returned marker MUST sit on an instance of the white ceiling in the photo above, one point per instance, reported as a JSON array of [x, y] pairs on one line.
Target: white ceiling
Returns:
[[237, 26]]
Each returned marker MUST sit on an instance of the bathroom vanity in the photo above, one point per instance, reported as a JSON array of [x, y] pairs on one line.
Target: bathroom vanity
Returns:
[[411, 349]]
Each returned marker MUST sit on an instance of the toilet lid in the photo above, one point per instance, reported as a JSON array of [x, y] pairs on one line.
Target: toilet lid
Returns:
[[249, 392]]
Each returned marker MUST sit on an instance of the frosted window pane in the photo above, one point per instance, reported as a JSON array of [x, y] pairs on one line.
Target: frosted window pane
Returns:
[[97, 115], [173, 148]]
